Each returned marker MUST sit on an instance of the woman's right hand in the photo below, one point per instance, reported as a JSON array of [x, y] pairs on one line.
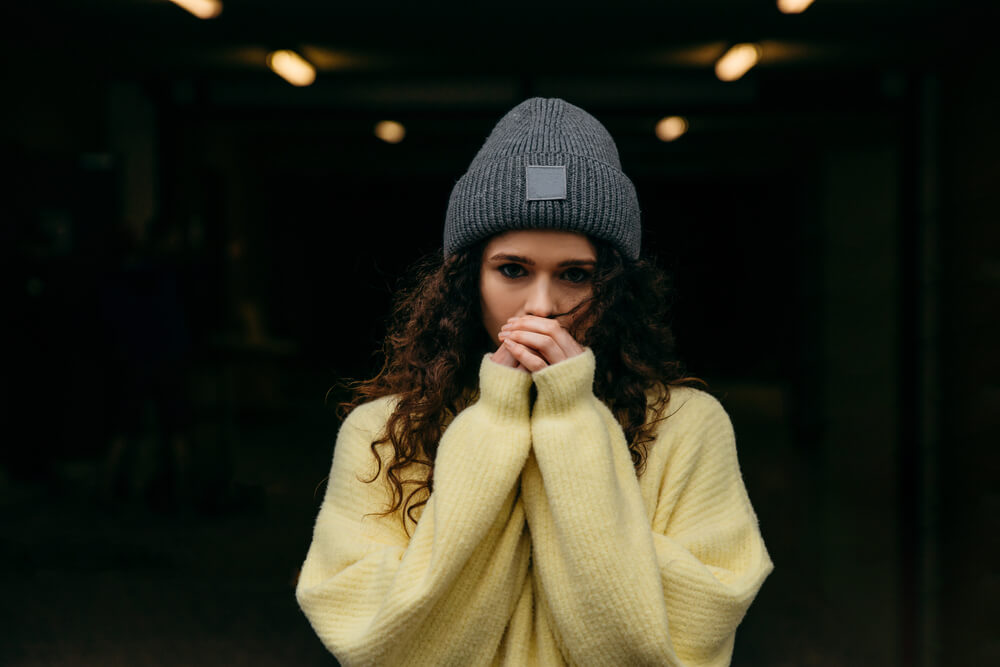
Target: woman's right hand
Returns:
[[503, 357]]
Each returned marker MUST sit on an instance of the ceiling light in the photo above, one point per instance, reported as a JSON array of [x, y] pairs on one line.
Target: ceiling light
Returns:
[[670, 128], [793, 6], [203, 9], [390, 131], [327, 59], [291, 67], [737, 61]]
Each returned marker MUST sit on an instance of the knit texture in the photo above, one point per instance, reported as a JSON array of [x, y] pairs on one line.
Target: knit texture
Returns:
[[655, 570], [491, 197]]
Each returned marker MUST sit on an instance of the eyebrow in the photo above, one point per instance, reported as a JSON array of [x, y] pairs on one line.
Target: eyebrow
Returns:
[[499, 257]]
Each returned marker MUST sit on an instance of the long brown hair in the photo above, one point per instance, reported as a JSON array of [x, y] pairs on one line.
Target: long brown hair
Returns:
[[436, 340]]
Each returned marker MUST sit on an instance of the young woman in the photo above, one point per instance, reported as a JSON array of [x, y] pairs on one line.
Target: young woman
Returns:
[[529, 481]]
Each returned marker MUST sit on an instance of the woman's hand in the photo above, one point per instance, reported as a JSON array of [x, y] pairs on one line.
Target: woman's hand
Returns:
[[503, 357], [537, 342]]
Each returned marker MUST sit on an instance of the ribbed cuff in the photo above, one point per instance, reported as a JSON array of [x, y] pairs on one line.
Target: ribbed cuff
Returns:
[[563, 384], [504, 390]]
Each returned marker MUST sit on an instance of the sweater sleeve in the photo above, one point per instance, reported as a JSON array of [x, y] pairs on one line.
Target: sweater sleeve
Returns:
[[624, 586], [443, 597]]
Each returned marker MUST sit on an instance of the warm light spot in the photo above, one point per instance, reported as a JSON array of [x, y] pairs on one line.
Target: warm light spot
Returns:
[[793, 6], [670, 128], [737, 61], [326, 59], [292, 67], [203, 9], [390, 131]]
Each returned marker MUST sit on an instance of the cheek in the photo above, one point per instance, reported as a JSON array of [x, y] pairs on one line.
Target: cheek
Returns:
[[487, 301], [572, 300], [498, 303]]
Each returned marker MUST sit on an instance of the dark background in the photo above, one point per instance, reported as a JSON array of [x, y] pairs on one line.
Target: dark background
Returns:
[[194, 252]]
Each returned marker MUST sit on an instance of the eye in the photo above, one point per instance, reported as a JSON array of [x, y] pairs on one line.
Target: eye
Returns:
[[512, 270], [576, 275]]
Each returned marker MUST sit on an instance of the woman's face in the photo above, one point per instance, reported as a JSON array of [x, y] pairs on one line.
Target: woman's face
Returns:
[[534, 272]]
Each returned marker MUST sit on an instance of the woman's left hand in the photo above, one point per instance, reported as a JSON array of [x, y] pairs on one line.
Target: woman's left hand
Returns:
[[537, 342]]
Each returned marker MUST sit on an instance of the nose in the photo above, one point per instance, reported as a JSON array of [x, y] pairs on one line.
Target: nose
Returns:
[[541, 301]]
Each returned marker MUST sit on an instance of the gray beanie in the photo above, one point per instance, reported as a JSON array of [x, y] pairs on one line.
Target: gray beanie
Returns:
[[546, 165]]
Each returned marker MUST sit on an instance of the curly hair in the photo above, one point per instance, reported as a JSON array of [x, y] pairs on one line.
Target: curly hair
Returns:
[[436, 340]]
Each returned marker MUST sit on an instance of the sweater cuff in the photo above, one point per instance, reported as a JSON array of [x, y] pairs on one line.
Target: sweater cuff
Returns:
[[563, 384], [504, 390]]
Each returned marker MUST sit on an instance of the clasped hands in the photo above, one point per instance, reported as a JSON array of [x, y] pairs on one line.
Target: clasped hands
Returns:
[[532, 343]]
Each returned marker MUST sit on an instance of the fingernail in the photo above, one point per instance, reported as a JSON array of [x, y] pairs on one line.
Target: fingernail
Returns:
[[502, 334]]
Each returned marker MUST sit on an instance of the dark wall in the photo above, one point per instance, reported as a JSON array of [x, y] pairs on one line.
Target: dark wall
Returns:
[[964, 401]]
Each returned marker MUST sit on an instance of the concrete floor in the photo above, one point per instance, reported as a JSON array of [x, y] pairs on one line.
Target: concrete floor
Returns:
[[90, 584]]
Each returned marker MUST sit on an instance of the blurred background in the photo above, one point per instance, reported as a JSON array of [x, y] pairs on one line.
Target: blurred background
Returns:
[[198, 243]]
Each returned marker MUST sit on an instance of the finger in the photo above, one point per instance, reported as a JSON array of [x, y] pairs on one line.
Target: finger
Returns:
[[552, 328], [527, 357], [541, 343], [503, 357], [555, 346], [533, 322], [538, 325]]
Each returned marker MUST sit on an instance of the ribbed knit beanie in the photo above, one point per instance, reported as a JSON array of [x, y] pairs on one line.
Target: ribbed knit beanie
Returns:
[[546, 165]]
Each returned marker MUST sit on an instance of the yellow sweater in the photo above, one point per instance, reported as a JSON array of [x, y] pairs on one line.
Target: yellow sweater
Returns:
[[539, 545]]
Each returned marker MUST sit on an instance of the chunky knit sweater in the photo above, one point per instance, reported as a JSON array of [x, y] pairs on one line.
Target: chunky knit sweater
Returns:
[[539, 544]]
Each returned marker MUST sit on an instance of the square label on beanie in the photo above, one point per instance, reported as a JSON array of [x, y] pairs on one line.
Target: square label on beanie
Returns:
[[543, 183]]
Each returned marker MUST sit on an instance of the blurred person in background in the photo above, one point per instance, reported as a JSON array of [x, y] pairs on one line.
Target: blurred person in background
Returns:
[[532, 478]]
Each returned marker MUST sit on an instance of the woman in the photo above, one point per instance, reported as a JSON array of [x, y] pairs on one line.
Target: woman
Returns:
[[528, 481]]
